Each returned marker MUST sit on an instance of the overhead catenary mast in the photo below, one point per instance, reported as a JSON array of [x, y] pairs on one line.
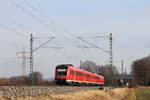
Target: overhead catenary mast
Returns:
[[31, 54], [31, 59], [111, 50]]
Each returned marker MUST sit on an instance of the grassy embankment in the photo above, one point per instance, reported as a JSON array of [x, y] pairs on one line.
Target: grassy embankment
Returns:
[[116, 94], [132, 96], [140, 93]]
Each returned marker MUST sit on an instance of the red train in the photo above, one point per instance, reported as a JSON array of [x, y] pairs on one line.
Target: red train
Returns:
[[68, 74]]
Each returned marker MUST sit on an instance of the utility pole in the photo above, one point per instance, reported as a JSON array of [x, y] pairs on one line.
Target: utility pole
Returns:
[[23, 58], [31, 60]]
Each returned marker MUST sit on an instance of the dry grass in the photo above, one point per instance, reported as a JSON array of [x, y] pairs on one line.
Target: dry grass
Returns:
[[116, 94], [132, 95], [142, 93]]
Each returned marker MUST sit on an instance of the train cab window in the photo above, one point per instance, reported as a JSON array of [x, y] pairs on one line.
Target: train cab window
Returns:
[[62, 72]]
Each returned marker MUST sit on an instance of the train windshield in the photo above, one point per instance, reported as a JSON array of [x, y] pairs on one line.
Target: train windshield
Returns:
[[62, 70]]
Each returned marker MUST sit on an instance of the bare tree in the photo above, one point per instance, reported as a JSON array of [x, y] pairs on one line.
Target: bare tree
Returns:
[[107, 71], [38, 77], [141, 71], [18, 80], [4, 81], [89, 66]]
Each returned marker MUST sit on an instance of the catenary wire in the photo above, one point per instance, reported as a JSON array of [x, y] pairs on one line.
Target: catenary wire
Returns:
[[41, 14], [34, 16]]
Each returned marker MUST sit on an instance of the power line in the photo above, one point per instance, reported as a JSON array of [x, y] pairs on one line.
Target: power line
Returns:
[[35, 17], [93, 44], [12, 21], [30, 5], [110, 52], [43, 44], [63, 29], [28, 12], [52, 47], [12, 30], [59, 27], [53, 22], [7, 28], [19, 24], [89, 54], [15, 31], [95, 37], [83, 47], [33, 8]]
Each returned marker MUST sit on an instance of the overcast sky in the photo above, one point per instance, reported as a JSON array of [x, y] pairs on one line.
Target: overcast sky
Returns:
[[128, 20]]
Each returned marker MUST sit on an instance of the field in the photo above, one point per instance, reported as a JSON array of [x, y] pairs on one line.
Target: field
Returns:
[[116, 94], [142, 93]]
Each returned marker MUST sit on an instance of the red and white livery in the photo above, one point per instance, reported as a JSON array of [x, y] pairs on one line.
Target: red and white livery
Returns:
[[68, 74]]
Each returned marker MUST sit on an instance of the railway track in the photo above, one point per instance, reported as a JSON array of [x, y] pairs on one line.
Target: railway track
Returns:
[[19, 91]]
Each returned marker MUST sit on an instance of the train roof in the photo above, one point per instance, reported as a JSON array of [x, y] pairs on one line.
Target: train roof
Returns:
[[78, 69], [64, 65]]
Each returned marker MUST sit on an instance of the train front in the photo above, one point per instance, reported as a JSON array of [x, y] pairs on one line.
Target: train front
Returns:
[[60, 74]]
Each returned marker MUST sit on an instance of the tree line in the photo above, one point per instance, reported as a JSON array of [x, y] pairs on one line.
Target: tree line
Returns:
[[24, 80], [141, 71], [109, 72]]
